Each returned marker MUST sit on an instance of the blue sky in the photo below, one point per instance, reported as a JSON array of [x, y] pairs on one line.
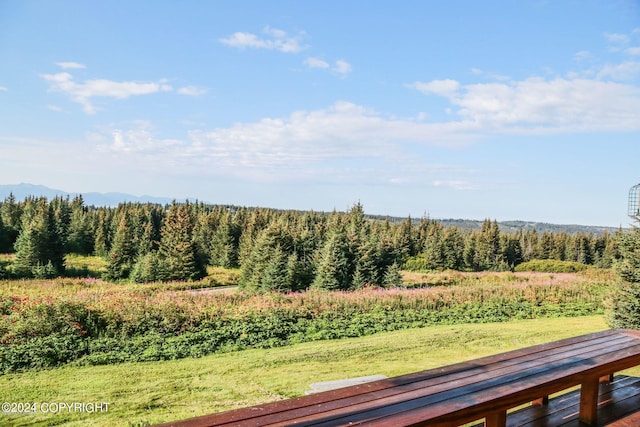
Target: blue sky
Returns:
[[455, 109]]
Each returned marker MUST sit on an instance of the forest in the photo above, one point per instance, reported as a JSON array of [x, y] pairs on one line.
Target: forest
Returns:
[[275, 250]]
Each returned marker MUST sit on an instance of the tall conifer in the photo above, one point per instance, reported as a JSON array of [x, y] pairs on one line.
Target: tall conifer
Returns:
[[177, 251]]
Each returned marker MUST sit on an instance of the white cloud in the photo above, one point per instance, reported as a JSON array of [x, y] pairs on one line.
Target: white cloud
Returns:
[[582, 55], [634, 51], [3, 88], [456, 184], [312, 62], [55, 108], [539, 105], [625, 71], [445, 87], [70, 65], [345, 141], [616, 39], [140, 139], [342, 68], [276, 40], [192, 91], [82, 93]]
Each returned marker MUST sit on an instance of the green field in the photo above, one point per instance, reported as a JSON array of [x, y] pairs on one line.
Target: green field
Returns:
[[146, 393]]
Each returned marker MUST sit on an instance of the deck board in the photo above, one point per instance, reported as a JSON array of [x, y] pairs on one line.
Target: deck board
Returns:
[[618, 406]]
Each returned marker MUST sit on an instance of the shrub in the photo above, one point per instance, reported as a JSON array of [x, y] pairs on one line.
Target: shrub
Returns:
[[624, 307], [551, 266]]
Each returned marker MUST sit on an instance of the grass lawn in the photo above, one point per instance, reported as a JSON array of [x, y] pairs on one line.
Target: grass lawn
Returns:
[[147, 393]]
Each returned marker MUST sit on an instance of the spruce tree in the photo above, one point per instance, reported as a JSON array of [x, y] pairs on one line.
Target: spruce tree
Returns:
[[266, 267], [122, 255], [333, 270], [178, 251], [11, 213], [39, 245], [5, 242], [392, 277], [102, 239], [624, 309], [81, 236]]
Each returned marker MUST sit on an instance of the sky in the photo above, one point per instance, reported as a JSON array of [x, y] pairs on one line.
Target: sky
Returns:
[[508, 110]]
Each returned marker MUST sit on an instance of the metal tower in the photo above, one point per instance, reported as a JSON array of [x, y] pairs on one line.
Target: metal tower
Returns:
[[634, 203]]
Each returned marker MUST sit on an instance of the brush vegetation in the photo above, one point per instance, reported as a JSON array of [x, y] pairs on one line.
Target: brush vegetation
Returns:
[[47, 323]]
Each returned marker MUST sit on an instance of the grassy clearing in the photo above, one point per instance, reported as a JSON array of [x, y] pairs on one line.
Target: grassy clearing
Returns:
[[146, 393]]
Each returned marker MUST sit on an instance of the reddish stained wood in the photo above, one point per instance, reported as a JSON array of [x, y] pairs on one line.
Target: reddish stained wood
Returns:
[[541, 401], [589, 401], [455, 393], [496, 419]]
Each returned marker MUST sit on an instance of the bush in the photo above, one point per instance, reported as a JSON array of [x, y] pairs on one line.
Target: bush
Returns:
[[624, 307], [115, 324], [551, 266]]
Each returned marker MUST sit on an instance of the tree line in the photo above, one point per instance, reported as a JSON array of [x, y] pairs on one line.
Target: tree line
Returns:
[[274, 249]]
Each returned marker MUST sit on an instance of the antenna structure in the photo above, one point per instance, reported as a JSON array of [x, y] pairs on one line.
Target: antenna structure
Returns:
[[634, 203]]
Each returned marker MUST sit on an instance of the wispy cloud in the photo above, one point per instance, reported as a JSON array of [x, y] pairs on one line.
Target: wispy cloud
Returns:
[[341, 68], [70, 65], [137, 136], [83, 93], [542, 105], [3, 88], [273, 39], [447, 87], [456, 184], [192, 91], [312, 62], [342, 142], [55, 108]]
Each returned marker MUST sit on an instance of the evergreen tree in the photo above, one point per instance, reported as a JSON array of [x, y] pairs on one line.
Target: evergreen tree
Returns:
[[11, 214], [582, 247], [38, 245], [275, 276], [510, 250], [177, 251], [102, 239], [489, 245], [5, 241], [367, 264], [268, 259], [433, 251], [333, 270], [624, 310], [470, 254], [224, 244], [529, 245], [61, 210], [81, 236], [404, 241], [122, 256], [392, 277], [546, 245], [453, 249], [560, 242]]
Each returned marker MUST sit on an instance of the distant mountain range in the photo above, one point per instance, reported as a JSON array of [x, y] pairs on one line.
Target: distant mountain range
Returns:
[[21, 191]]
